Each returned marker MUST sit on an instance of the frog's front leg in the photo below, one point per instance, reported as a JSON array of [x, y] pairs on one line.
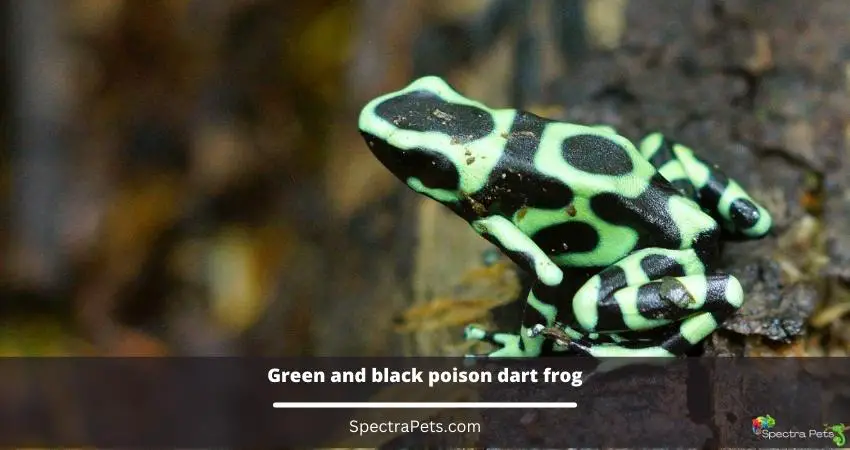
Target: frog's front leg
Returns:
[[508, 344], [721, 196], [526, 253], [526, 343], [651, 289], [519, 247]]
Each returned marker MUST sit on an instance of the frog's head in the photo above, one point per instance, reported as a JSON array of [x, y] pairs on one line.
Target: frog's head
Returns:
[[430, 137]]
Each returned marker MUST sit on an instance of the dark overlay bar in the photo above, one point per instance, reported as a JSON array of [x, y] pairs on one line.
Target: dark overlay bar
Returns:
[[351, 402]]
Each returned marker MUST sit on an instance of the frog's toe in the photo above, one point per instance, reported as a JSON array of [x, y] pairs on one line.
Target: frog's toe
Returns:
[[474, 333], [509, 344]]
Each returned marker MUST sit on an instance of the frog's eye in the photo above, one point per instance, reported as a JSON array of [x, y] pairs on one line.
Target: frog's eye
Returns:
[[431, 168]]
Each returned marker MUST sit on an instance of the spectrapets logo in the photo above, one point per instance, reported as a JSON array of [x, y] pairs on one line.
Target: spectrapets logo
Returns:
[[764, 428]]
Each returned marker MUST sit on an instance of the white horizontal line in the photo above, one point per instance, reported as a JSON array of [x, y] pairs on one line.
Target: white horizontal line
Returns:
[[424, 405]]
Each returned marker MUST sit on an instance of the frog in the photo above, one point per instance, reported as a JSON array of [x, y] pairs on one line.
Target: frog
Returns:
[[622, 241]]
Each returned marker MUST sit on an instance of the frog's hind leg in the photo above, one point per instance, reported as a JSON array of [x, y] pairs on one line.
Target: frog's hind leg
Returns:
[[721, 196], [691, 332], [653, 289], [658, 150]]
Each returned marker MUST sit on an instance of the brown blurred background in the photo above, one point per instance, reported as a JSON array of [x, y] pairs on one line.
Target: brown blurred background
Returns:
[[185, 177]]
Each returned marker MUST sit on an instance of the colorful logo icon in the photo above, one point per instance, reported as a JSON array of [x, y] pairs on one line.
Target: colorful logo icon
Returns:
[[765, 422], [838, 432]]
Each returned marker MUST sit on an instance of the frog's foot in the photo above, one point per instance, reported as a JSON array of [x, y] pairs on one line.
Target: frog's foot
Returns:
[[721, 196], [651, 289], [510, 344]]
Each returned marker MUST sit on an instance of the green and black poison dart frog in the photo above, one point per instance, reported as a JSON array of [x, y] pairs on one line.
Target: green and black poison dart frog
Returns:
[[621, 240]]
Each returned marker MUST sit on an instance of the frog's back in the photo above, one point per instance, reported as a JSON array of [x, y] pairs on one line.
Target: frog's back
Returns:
[[618, 204], [584, 194]]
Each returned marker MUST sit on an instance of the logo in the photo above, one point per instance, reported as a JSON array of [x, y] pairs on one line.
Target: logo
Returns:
[[763, 427], [838, 433], [761, 423]]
